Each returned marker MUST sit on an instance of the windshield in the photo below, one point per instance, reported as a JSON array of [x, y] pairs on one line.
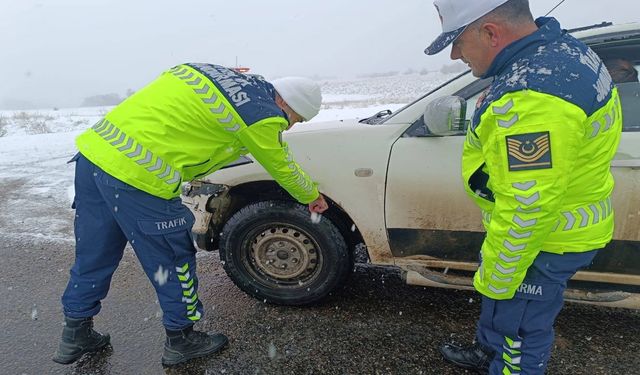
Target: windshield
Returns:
[[391, 115]]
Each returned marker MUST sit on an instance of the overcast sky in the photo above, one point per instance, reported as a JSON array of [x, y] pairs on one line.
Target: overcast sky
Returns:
[[57, 52]]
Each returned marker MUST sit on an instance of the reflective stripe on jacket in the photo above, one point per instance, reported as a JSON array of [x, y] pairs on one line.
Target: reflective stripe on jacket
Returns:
[[537, 157], [189, 122]]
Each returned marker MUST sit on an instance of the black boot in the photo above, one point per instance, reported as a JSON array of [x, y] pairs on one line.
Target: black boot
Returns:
[[475, 357], [187, 344], [78, 338]]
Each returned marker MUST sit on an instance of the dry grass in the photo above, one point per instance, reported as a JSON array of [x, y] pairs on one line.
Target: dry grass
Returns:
[[3, 124], [32, 122]]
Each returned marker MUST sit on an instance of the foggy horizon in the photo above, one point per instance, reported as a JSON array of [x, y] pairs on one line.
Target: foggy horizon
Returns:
[[60, 52]]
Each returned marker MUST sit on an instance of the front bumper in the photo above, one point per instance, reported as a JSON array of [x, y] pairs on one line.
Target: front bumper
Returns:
[[208, 202]]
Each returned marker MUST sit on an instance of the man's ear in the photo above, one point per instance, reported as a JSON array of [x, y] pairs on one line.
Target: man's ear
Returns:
[[492, 33], [279, 101]]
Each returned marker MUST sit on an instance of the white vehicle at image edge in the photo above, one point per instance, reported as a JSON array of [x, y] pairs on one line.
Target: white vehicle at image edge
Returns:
[[394, 187]]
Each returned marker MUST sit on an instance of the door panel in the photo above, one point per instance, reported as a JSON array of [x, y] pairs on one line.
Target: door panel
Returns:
[[626, 166], [428, 213], [425, 194], [426, 208]]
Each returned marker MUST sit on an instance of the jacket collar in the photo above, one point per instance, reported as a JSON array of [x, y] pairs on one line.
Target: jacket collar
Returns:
[[548, 31]]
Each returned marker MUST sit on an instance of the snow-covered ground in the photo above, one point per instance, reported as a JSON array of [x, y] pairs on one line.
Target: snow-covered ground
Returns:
[[35, 145]]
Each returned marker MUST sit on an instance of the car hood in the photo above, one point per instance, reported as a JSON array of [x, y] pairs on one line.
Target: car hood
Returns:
[[324, 126], [322, 149]]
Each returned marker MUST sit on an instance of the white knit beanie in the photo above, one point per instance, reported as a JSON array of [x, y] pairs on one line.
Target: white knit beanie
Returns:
[[301, 94]]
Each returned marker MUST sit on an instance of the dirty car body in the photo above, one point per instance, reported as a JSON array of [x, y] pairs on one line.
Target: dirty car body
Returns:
[[394, 190]]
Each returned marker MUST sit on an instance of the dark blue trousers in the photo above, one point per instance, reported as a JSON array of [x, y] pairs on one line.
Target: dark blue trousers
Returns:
[[520, 330], [110, 213]]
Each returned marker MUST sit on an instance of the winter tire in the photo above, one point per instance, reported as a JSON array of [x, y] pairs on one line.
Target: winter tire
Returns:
[[274, 252]]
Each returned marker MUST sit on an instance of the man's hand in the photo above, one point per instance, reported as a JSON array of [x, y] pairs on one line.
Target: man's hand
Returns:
[[319, 205]]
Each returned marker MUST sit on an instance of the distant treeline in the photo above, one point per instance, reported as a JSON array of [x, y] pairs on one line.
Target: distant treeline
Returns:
[[104, 99], [456, 67]]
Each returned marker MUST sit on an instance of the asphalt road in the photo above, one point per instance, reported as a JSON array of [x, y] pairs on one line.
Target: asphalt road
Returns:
[[374, 325]]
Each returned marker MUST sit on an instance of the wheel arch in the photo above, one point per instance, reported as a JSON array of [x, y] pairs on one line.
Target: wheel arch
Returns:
[[256, 191]]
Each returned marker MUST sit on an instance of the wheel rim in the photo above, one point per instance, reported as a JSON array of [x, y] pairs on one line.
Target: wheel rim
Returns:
[[284, 254]]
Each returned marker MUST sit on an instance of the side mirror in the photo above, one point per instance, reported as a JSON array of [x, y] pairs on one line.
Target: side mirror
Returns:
[[446, 116]]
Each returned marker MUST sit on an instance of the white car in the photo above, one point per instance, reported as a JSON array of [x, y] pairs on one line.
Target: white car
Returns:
[[395, 189]]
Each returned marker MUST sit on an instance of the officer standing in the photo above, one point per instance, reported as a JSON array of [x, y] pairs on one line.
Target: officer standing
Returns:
[[537, 162], [188, 123]]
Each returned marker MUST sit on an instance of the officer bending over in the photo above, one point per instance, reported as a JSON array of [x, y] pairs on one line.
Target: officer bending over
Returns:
[[188, 123]]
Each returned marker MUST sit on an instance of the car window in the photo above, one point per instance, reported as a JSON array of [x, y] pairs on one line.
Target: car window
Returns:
[[630, 101], [472, 104], [472, 94]]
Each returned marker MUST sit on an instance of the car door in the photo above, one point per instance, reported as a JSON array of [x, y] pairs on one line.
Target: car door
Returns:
[[426, 209], [619, 263], [428, 215]]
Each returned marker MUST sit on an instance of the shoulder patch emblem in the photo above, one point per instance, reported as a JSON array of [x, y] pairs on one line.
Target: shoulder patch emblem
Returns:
[[529, 151]]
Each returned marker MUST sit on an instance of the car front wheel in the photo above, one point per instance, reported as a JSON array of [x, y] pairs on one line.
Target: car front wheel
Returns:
[[273, 251]]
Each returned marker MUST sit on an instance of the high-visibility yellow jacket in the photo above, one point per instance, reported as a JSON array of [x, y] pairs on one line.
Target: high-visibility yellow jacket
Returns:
[[537, 156], [189, 122]]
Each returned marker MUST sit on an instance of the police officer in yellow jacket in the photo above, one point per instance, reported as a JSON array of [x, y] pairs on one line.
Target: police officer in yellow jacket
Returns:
[[537, 162], [189, 122]]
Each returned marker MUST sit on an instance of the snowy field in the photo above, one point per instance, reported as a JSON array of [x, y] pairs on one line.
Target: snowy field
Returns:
[[35, 145]]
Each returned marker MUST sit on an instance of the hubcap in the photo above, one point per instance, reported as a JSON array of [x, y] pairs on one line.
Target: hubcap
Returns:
[[284, 253]]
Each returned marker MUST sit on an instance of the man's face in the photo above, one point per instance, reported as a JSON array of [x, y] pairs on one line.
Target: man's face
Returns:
[[473, 50], [294, 118]]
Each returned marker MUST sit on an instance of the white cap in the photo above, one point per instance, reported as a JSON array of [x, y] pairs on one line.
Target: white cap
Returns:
[[301, 94], [455, 16]]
